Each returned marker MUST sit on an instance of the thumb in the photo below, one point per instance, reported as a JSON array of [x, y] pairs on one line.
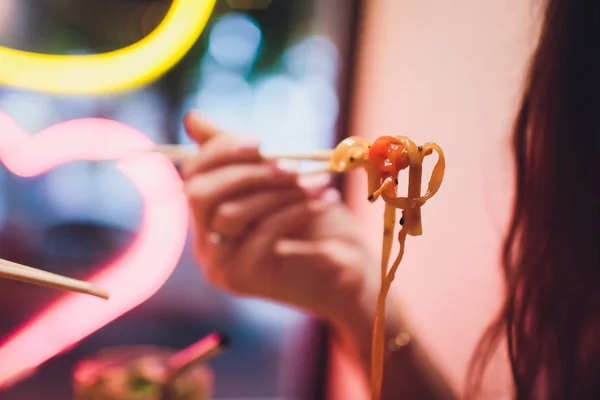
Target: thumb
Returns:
[[199, 128]]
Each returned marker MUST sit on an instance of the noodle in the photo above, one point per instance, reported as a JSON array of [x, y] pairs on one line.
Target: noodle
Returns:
[[383, 160]]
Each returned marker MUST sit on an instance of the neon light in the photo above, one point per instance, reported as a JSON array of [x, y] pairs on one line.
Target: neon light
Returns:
[[131, 279], [115, 71]]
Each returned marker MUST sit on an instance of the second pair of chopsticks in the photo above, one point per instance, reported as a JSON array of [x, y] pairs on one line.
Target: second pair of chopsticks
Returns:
[[196, 354], [23, 273]]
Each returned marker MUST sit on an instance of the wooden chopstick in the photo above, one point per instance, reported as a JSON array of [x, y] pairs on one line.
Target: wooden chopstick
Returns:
[[322, 170], [179, 153], [323, 155], [23, 273]]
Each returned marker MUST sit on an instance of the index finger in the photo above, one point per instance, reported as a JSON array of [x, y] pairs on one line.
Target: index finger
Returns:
[[199, 128]]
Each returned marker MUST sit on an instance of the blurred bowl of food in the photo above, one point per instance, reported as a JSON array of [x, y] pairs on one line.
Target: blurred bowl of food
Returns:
[[139, 373]]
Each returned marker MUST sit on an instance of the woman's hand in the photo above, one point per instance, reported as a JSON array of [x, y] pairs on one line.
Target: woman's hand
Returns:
[[260, 231]]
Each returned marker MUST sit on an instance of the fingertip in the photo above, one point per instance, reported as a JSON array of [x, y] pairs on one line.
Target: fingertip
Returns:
[[199, 128], [191, 114], [314, 181], [248, 144], [185, 170], [189, 120]]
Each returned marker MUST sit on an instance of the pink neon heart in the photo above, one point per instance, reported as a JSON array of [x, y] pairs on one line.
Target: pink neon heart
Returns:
[[131, 279]]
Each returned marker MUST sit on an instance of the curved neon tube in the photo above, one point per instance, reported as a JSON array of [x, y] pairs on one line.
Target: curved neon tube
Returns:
[[115, 71], [132, 278]]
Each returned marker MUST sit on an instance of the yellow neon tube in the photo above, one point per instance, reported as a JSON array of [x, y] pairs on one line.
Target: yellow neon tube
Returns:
[[115, 71]]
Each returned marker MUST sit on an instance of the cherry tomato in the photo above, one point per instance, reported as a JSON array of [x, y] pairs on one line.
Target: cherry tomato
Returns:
[[389, 155]]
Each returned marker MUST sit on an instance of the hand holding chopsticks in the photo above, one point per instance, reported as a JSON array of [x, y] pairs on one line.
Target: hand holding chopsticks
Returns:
[[23, 273]]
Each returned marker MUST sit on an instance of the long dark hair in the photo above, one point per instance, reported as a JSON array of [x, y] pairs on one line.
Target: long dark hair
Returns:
[[551, 258]]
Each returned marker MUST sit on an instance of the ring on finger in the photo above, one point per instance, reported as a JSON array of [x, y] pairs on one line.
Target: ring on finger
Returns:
[[217, 239]]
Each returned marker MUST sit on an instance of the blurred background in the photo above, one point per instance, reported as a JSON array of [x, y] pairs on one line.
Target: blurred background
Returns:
[[449, 72], [279, 70]]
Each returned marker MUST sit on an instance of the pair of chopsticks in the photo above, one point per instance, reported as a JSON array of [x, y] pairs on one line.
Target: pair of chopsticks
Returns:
[[198, 353], [23, 273], [180, 153]]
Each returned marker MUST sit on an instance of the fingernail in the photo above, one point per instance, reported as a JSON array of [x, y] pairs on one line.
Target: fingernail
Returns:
[[314, 181], [331, 196], [315, 192], [287, 165], [193, 114]]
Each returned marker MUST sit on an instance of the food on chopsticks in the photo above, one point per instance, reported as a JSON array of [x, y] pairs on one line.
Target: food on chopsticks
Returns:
[[383, 161], [23, 273]]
